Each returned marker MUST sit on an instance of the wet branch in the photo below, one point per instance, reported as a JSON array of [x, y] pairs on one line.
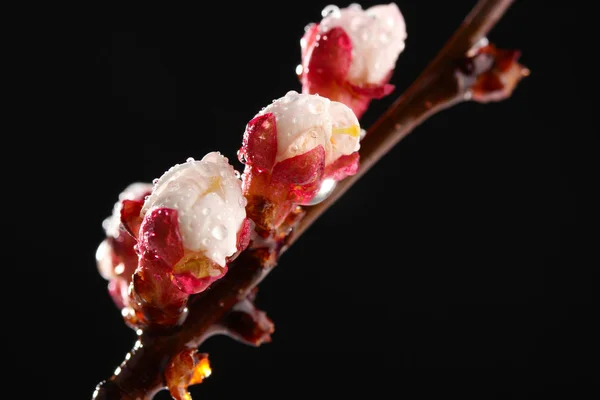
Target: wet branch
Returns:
[[455, 75]]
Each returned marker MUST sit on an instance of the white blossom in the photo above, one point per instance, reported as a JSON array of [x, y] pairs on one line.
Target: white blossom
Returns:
[[377, 34], [207, 196], [305, 121]]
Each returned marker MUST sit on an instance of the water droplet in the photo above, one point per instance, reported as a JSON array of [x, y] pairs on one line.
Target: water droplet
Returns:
[[363, 133], [331, 11], [241, 156], [219, 232], [365, 35], [190, 160], [325, 190], [205, 211], [355, 7], [206, 242], [237, 174], [294, 148], [154, 181], [299, 69], [313, 133], [355, 23], [309, 26], [316, 107]]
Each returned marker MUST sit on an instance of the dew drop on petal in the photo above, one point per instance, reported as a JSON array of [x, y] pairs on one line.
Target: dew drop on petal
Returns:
[[219, 232], [355, 24], [237, 174], [325, 190], [364, 35], [190, 160], [206, 242], [331, 11], [154, 181], [363, 133], [205, 211], [316, 107], [206, 167], [390, 22]]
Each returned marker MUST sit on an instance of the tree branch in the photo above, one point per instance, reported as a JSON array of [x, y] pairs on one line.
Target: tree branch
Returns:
[[450, 78], [433, 91]]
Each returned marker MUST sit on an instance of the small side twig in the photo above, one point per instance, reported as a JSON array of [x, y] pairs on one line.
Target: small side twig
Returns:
[[442, 84]]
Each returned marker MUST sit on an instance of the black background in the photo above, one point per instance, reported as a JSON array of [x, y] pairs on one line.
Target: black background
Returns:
[[467, 250]]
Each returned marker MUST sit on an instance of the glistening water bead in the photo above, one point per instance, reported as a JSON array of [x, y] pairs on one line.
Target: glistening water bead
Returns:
[[328, 185], [325, 190]]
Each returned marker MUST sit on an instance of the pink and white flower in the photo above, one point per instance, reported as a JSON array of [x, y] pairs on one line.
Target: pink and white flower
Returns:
[[193, 223], [289, 147], [116, 257], [351, 54]]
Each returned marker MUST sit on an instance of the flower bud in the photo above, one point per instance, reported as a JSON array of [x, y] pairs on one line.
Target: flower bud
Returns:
[[202, 224], [289, 147], [116, 257], [351, 54]]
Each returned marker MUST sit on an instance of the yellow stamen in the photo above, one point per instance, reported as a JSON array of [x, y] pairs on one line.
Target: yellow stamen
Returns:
[[353, 131], [214, 185]]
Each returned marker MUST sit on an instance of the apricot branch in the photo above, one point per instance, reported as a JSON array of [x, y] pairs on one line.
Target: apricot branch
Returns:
[[466, 68]]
